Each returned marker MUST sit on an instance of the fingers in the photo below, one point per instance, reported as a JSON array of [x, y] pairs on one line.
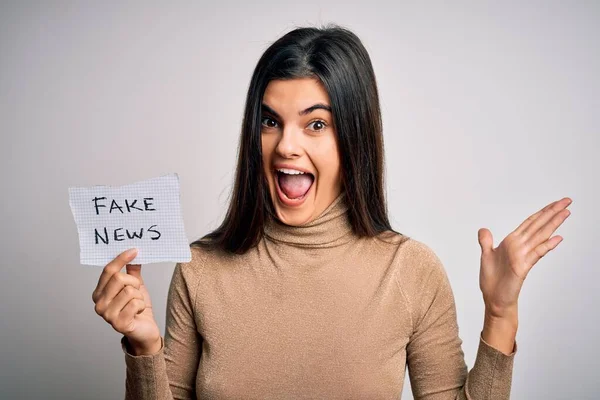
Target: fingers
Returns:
[[543, 249], [135, 270], [117, 283], [537, 220], [521, 228], [131, 309], [544, 218], [111, 268], [124, 321], [111, 311], [548, 229]]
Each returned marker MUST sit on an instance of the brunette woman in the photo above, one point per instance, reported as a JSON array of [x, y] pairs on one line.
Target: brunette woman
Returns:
[[305, 291]]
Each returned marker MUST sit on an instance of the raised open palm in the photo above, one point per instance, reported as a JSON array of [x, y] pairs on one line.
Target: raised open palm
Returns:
[[504, 268]]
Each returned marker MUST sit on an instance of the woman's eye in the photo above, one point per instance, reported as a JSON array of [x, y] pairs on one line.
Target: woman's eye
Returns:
[[268, 122], [318, 125]]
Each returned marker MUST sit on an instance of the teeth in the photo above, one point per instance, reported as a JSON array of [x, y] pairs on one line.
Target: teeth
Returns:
[[290, 171]]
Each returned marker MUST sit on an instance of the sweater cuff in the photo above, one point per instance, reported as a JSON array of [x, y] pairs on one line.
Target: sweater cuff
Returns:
[[127, 349], [143, 371], [491, 375], [488, 347]]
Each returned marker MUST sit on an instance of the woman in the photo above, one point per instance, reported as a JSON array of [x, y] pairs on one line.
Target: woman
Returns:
[[305, 291]]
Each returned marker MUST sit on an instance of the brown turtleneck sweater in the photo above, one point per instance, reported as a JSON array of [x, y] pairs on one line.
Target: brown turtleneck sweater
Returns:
[[315, 312]]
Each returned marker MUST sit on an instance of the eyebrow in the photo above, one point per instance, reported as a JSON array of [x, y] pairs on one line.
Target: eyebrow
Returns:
[[318, 106]]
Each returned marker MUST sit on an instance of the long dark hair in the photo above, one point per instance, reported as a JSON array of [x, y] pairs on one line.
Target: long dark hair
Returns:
[[336, 57]]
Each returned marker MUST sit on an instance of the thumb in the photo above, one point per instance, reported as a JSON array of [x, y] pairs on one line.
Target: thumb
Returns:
[[486, 240], [135, 270]]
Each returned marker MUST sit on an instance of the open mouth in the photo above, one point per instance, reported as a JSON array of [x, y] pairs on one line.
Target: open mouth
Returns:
[[293, 185]]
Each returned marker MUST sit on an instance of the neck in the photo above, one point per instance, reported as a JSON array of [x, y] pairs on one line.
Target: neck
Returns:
[[331, 228]]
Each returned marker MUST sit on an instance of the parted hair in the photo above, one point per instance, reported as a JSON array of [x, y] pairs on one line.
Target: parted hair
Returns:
[[335, 56]]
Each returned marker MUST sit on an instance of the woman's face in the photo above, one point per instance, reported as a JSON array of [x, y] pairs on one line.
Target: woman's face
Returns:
[[299, 149]]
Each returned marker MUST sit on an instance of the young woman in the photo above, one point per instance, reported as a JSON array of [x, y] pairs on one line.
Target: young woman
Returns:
[[305, 290]]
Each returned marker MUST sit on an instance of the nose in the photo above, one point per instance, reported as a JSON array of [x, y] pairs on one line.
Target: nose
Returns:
[[289, 145]]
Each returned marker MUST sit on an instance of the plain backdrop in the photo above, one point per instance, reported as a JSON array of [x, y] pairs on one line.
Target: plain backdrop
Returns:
[[490, 112]]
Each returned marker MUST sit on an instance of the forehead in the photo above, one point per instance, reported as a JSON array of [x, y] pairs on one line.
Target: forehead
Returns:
[[297, 93]]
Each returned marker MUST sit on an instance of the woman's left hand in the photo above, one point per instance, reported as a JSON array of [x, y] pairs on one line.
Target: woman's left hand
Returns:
[[504, 269]]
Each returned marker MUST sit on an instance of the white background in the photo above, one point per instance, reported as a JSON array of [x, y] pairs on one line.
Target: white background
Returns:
[[490, 112]]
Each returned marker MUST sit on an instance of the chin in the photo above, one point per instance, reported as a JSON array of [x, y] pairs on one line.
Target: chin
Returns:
[[293, 218]]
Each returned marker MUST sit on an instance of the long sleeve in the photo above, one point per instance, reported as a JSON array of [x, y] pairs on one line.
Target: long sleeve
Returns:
[[170, 373], [435, 359]]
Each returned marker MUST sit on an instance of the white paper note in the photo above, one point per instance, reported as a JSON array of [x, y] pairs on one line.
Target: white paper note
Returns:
[[145, 215]]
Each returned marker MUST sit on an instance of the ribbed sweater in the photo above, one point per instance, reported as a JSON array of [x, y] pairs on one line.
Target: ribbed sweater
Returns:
[[315, 312]]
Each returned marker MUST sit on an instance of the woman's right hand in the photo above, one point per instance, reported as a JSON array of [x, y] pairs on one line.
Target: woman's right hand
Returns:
[[124, 302]]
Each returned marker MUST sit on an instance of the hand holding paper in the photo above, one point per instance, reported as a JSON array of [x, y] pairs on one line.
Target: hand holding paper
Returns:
[[124, 302], [144, 217]]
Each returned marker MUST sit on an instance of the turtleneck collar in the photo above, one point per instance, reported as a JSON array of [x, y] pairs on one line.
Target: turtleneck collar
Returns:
[[331, 228]]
